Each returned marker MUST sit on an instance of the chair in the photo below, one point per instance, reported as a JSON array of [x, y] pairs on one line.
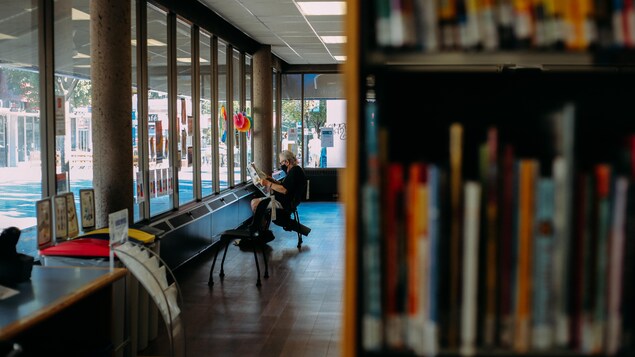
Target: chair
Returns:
[[257, 233], [296, 216]]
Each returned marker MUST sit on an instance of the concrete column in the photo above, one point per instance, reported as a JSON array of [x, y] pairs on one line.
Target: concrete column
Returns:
[[263, 109], [110, 63]]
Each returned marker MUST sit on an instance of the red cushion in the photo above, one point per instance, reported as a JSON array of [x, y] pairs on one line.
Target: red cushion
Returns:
[[81, 247]]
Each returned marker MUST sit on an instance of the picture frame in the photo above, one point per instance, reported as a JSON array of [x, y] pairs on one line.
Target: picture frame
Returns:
[[87, 208], [71, 213], [61, 217], [44, 216]]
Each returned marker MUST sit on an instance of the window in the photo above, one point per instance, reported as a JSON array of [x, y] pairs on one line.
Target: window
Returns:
[[20, 151], [239, 136], [276, 120], [160, 171], [223, 115], [73, 90], [206, 122], [291, 127], [185, 121], [248, 111]]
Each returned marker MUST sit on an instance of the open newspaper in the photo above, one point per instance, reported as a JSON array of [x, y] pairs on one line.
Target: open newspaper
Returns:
[[257, 176]]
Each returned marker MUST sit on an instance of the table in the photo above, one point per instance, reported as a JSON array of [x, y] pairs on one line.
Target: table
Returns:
[[63, 309]]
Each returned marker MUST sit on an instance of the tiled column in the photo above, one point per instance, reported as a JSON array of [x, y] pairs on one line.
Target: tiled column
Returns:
[[111, 107], [263, 109]]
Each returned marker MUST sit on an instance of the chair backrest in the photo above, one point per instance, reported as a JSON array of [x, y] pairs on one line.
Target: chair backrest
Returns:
[[262, 217]]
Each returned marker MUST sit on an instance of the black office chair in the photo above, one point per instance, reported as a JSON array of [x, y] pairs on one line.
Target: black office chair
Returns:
[[296, 216], [257, 233]]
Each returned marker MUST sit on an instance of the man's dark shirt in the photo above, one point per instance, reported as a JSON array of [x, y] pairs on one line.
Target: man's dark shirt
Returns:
[[294, 182]]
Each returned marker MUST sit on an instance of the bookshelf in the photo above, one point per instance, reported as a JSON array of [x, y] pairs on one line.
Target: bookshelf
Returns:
[[541, 142]]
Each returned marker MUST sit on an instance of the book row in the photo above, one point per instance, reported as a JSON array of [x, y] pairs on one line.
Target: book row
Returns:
[[433, 25], [520, 258]]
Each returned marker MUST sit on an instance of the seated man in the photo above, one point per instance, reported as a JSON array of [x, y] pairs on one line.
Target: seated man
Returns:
[[288, 192]]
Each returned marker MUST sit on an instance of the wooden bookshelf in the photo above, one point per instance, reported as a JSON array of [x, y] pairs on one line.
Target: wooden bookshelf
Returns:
[[529, 87]]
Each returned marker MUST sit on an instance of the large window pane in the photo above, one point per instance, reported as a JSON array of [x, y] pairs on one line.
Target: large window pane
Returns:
[[237, 105], [276, 135], [160, 171], [206, 122], [185, 121], [291, 114], [136, 149], [223, 115], [248, 89], [73, 90], [324, 107], [20, 160]]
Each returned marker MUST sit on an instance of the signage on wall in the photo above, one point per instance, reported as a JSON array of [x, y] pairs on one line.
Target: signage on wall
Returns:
[[327, 137], [60, 120], [292, 134]]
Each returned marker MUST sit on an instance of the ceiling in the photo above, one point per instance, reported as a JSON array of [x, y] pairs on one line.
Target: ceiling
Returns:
[[293, 37]]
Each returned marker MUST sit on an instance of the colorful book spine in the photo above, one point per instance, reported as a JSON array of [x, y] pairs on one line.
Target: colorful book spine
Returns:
[[418, 255], [542, 309], [528, 170], [491, 238], [431, 334], [472, 194], [394, 260], [616, 266], [505, 281], [456, 158]]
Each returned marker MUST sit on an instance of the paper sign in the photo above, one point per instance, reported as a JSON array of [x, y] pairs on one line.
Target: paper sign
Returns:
[[118, 226], [327, 137], [292, 134], [60, 120]]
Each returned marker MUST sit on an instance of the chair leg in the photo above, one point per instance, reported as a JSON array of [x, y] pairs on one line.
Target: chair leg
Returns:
[[257, 266], [211, 271], [222, 263], [264, 257], [296, 217]]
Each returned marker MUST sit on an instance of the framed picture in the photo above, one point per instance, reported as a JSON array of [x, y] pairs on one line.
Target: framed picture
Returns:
[[61, 217], [87, 208], [71, 213], [44, 213]]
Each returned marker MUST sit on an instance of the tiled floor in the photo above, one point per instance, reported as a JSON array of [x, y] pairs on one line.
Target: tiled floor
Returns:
[[296, 312]]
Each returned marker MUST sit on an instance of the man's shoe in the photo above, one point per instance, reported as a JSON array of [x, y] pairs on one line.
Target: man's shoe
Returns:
[[304, 230]]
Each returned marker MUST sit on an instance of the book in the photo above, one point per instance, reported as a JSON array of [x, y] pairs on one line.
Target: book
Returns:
[[456, 184], [542, 304], [527, 173], [505, 243], [435, 213], [418, 256], [471, 216]]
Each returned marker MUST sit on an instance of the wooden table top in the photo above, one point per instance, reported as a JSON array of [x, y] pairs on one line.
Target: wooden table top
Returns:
[[50, 290]]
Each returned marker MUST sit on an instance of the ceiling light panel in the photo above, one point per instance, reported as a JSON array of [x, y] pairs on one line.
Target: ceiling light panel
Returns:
[[322, 8]]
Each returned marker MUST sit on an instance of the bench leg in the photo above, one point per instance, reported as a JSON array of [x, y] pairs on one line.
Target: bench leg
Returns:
[[258, 283], [211, 271]]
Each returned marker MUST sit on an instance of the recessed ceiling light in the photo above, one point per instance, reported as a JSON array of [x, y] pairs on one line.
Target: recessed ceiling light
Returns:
[[316, 8], [79, 15], [340, 58], [4, 36], [333, 39]]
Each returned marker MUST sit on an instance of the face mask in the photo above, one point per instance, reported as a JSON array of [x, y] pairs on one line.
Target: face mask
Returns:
[[283, 168]]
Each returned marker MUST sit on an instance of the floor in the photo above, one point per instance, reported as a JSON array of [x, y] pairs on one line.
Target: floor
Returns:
[[297, 311]]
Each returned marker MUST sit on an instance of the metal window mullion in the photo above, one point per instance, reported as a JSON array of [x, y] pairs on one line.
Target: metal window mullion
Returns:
[[214, 108], [46, 57], [196, 112], [142, 104], [230, 115], [172, 89]]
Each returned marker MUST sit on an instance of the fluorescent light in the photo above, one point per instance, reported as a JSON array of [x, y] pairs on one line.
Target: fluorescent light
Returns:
[[79, 15], [340, 58], [82, 66], [81, 55], [4, 36], [184, 59], [333, 39], [316, 8]]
